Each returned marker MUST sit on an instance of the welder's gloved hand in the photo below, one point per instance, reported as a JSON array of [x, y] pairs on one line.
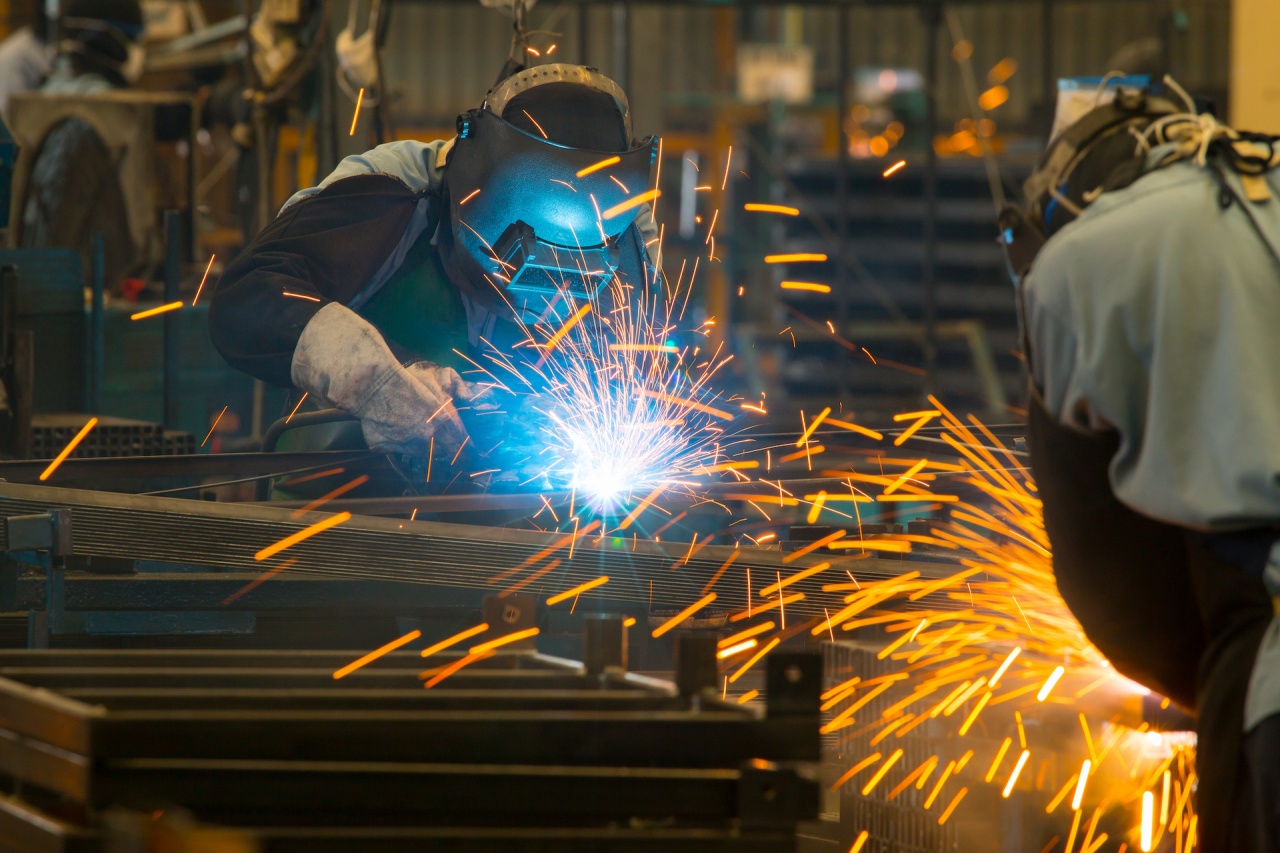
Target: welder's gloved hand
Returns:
[[342, 360]]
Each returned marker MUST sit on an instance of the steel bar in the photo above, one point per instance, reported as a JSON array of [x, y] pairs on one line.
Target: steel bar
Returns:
[[443, 556]]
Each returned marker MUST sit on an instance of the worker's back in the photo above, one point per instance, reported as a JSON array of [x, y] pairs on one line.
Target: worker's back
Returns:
[[1159, 299]]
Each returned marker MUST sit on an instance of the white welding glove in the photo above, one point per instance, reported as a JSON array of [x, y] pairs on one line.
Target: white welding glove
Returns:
[[343, 360]]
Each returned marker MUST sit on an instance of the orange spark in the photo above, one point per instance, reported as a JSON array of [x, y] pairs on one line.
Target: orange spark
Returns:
[[454, 667], [595, 167], [1013, 777], [565, 329], [796, 258], [66, 451], [215, 425], [811, 286], [377, 653], [764, 650], [812, 426], [674, 621], [200, 289], [306, 533], [730, 651], [295, 408], [1049, 683], [513, 637], [869, 433], [470, 196], [151, 312], [631, 203], [355, 116], [894, 168], [680, 401], [952, 807], [753, 631], [777, 602], [300, 296], [810, 572], [455, 639], [336, 493], [771, 208], [748, 696], [824, 542], [578, 590], [880, 774]]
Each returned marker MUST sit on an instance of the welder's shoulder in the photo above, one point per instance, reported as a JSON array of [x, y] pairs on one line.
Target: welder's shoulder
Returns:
[[409, 162], [1123, 230]]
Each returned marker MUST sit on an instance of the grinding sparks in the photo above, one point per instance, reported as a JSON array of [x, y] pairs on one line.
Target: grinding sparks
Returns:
[[152, 312], [1049, 683], [376, 653], [67, 451], [1013, 777], [1148, 815]]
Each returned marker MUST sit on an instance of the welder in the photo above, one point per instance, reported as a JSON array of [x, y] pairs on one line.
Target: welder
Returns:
[[376, 290], [1148, 256]]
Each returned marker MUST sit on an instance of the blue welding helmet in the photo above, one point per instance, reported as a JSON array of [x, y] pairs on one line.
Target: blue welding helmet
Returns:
[[538, 181]]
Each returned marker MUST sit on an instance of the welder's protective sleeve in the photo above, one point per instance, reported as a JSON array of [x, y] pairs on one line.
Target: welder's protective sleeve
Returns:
[[343, 361], [319, 250]]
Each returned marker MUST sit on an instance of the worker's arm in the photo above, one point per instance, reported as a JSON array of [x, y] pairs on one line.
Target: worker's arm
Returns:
[[279, 313], [319, 250]]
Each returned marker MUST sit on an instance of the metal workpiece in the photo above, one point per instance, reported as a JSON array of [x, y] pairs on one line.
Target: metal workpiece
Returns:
[[604, 643], [519, 751], [389, 565]]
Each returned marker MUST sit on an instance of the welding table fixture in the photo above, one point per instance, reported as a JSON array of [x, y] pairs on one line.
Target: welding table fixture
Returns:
[[519, 752]]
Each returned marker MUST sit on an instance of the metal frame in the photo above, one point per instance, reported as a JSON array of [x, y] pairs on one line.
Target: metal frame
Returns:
[[520, 751]]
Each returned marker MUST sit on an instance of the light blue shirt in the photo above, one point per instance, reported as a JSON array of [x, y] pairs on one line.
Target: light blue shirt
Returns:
[[1157, 313]]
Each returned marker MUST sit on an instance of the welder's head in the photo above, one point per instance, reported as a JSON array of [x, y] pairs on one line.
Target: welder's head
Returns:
[[538, 184], [1099, 152], [103, 36]]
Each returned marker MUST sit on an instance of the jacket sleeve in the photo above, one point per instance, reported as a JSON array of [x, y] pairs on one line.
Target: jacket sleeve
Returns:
[[322, 248]]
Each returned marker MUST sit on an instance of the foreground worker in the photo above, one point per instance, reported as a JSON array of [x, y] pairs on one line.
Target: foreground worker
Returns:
[[1151, 318], [370, 291]]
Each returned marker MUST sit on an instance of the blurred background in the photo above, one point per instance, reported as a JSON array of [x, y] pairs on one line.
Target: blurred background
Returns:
[[893, 129]]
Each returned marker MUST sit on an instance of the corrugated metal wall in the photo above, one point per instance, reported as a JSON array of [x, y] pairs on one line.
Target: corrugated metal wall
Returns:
[[441, 57]]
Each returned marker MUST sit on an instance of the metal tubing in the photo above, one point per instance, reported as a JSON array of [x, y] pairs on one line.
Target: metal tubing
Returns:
[[172, 282]]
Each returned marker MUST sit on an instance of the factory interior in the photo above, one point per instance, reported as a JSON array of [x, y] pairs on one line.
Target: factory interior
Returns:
[[734, 425]]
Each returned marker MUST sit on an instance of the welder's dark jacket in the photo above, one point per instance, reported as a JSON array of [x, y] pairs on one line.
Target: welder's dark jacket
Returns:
[[1155, 434], [362, 238]]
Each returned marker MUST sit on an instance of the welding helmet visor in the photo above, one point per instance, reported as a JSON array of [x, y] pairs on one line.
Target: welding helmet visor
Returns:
[[541, 222], [1098, 153]]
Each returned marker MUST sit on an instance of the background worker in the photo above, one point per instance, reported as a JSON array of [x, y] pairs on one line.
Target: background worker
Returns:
[[1151, 318], [366, 291]]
